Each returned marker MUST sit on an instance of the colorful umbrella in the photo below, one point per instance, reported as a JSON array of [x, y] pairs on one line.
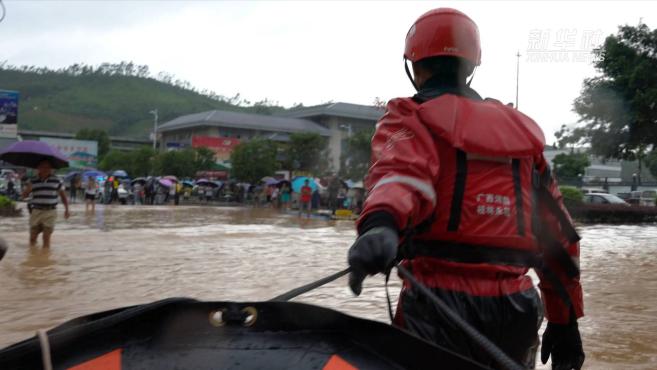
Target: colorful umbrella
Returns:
[[166, 183], [271, 181], [298, 182], [30, 153], [188, 183], [171, 178], [93, 173], [206, 182], [120, 173]]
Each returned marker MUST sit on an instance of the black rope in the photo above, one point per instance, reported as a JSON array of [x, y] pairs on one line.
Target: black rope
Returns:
[[308, 287], [459, 191], [489, 347]]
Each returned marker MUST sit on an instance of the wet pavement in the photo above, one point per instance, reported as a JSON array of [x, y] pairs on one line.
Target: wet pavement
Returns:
[[124, 255]]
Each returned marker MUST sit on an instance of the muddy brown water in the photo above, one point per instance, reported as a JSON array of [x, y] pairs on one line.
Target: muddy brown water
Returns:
[[125, 255]]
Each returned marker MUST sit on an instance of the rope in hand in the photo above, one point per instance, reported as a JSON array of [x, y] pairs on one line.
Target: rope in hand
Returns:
[[489, 347], [308, 287]]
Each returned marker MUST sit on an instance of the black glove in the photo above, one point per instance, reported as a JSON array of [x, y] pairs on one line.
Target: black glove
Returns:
[[564, 343], [373, 252]]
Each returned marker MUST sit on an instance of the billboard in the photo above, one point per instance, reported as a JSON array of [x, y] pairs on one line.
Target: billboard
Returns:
[[81, 154], [221, 146], [8, 113]]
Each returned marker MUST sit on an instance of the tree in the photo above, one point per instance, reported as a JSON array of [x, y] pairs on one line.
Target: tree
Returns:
[[136, 163], [100, 136], [145, 161], [141, 162], [651, 161], [114, 160], [307, 152], [618, 109], [253, 160], [570, 166], [356, 156], [569, 136], [204, 159], [180, 163]]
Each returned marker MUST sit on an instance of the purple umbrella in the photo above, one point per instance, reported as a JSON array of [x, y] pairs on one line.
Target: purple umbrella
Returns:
[[166, 183], [30, 153], [271, 182]]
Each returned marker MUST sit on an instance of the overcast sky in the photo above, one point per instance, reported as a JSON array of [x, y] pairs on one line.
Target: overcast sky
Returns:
[[313, 52]]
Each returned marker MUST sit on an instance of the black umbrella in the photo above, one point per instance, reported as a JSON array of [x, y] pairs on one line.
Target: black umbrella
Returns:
[[284, 182]]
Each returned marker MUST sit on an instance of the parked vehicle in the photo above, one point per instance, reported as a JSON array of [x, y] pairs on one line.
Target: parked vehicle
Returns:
[[624, 196], [648, 197], [124, 194], [594, 190], [7, 172], [643, 198], [603, 198]]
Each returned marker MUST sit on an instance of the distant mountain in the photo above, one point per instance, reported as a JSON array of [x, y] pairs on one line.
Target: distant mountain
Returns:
[[113, 97]]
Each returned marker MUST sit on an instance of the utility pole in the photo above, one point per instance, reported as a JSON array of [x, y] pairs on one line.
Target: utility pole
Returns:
[[154, 113], [517, 76]]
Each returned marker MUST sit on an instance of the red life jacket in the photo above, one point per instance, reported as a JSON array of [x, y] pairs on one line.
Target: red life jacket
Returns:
[[487, 154]]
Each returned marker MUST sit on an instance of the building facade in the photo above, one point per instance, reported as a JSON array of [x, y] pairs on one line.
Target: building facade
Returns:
[[335, 121]]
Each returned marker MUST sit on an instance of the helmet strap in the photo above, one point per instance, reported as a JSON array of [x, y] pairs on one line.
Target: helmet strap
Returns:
[[472, 75], [408, 73]]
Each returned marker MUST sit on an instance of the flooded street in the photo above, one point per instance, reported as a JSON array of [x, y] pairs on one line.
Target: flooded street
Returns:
[[124, 255]]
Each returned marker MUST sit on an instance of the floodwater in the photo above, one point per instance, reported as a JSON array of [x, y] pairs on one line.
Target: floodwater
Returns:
[[125, 255]]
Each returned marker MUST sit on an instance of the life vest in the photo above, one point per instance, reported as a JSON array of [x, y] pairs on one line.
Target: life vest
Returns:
[[487, 152], [491, 186]]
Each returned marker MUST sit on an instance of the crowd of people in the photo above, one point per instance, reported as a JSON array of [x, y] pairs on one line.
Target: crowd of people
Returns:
[[309, 196]]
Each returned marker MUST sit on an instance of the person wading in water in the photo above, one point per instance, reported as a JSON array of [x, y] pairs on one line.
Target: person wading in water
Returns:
[[45, 188]]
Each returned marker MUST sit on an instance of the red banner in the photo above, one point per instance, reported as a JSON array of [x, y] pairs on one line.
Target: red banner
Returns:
[[212, 175], [221, 146]]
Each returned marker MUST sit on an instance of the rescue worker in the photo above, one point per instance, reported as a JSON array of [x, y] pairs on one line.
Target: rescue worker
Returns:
[[460, 192]]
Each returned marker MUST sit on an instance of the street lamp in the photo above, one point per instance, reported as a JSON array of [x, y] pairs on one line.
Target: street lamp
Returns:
[[154, 113]]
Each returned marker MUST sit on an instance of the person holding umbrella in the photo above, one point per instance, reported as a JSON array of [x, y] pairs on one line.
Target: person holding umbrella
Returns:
[[44, 189]]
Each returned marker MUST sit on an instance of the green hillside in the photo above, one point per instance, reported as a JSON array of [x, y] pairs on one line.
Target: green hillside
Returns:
[[113, 97]]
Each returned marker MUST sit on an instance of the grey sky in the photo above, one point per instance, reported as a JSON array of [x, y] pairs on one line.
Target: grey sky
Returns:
[[312, 52]]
